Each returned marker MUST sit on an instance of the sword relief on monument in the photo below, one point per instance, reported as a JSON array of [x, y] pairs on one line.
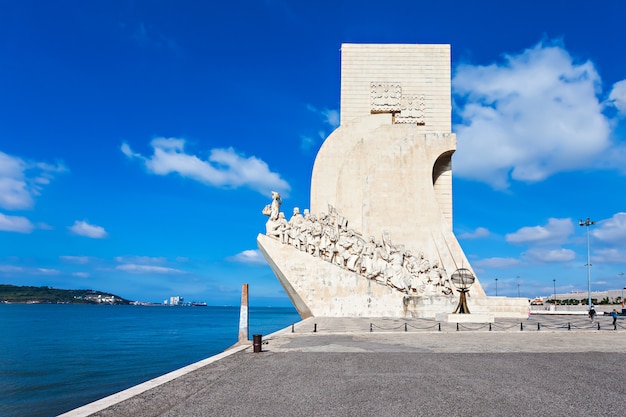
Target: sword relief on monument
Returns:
[[388, 98], [327, 236]]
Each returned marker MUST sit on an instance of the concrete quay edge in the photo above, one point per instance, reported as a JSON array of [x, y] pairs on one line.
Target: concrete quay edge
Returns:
[[118, 397]]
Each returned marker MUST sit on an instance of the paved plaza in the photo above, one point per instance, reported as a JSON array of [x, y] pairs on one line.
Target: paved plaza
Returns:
[[546, 365]]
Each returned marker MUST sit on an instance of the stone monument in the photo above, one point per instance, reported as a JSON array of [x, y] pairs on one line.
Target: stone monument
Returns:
[[377, 240]]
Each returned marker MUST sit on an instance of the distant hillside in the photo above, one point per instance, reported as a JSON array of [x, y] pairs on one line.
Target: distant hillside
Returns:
[[48, 295]]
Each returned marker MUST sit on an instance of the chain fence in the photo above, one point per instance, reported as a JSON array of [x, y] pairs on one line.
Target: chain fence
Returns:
[[552, 323]]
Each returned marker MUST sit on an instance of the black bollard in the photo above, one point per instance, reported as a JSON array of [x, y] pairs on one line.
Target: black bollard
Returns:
[[489, 326], [371, 329], [257, 341], [538, 326], [405, 327], [598, 325], [314, 327], [521, 327], [569, 327], [457, 327], [292, 329], [439, 325]]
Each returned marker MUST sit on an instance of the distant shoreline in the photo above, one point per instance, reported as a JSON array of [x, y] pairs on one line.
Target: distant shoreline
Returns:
[[13, 294]]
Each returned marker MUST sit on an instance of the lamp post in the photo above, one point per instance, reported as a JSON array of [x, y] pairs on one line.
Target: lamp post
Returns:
[[588, 222], [554, 283], [621, 275], [496, 287]]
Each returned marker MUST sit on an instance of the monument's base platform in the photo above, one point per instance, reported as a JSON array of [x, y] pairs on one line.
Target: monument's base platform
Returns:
[[319, 288], [427, 306], [465, 318]]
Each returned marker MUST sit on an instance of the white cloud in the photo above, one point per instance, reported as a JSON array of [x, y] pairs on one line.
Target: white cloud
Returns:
[[533, 115], [550, 255], [80, 274], [223, 168], [480, 232], [329, 116], [83, 228], [148, 269], [617, 97], [10, 269], [150, 260], [75, 259], [496, 262], [46, 271], [332, 117], [612, 231], [146, 265], [251, 256], [307, 142], [609, 256], [21, 181], [556, 231], [15, 224]]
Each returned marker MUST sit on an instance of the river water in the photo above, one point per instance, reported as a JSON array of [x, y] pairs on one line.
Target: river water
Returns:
[[54, 358]]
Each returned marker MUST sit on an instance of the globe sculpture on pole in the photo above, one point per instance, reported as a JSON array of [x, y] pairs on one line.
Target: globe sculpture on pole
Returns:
[[462, 279]]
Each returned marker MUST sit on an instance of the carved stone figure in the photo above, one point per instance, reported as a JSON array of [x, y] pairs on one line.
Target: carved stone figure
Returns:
[[412, 267], [275, 206], [443, 281], [369, 259], [395, 273], [272, 210], [353, 263], [295, 222], [314, 236]]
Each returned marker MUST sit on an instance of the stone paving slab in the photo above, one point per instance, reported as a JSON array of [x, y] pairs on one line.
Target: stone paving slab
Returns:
[[343, 369]]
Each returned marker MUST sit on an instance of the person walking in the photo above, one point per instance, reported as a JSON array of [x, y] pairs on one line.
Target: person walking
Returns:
[[614, 315], [592, 313]]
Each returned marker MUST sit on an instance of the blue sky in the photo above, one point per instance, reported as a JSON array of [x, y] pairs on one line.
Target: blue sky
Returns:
[[139, 140]]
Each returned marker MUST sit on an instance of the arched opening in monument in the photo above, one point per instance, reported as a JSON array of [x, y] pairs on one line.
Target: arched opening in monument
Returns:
[[442, 183]]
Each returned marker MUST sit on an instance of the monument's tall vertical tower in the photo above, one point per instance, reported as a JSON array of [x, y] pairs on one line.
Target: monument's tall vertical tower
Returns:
[[388, 166]]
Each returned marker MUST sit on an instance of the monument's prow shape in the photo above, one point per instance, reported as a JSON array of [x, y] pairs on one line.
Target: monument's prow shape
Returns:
[[382, 192]]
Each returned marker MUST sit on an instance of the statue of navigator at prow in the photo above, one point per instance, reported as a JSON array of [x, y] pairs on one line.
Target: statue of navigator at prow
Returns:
[[274, 225]]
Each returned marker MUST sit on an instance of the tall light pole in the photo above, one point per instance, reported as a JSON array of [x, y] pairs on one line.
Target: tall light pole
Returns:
[[621, 275], [554, 283], [496, 287], [588, 222]]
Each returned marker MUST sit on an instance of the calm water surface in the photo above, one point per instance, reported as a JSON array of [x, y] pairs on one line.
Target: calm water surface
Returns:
[[54, 358]]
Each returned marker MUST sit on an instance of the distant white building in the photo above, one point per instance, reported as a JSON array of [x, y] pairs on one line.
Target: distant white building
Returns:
[[176, 300], [101, 299], [598, 297]]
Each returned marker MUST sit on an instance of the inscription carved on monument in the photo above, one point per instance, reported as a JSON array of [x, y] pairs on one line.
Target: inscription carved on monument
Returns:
[[385, 97], [388, 98]]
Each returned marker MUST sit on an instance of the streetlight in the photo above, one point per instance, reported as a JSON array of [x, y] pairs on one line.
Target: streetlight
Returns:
[[588, 223], [621, 275], [496, 287], [554, 283]]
